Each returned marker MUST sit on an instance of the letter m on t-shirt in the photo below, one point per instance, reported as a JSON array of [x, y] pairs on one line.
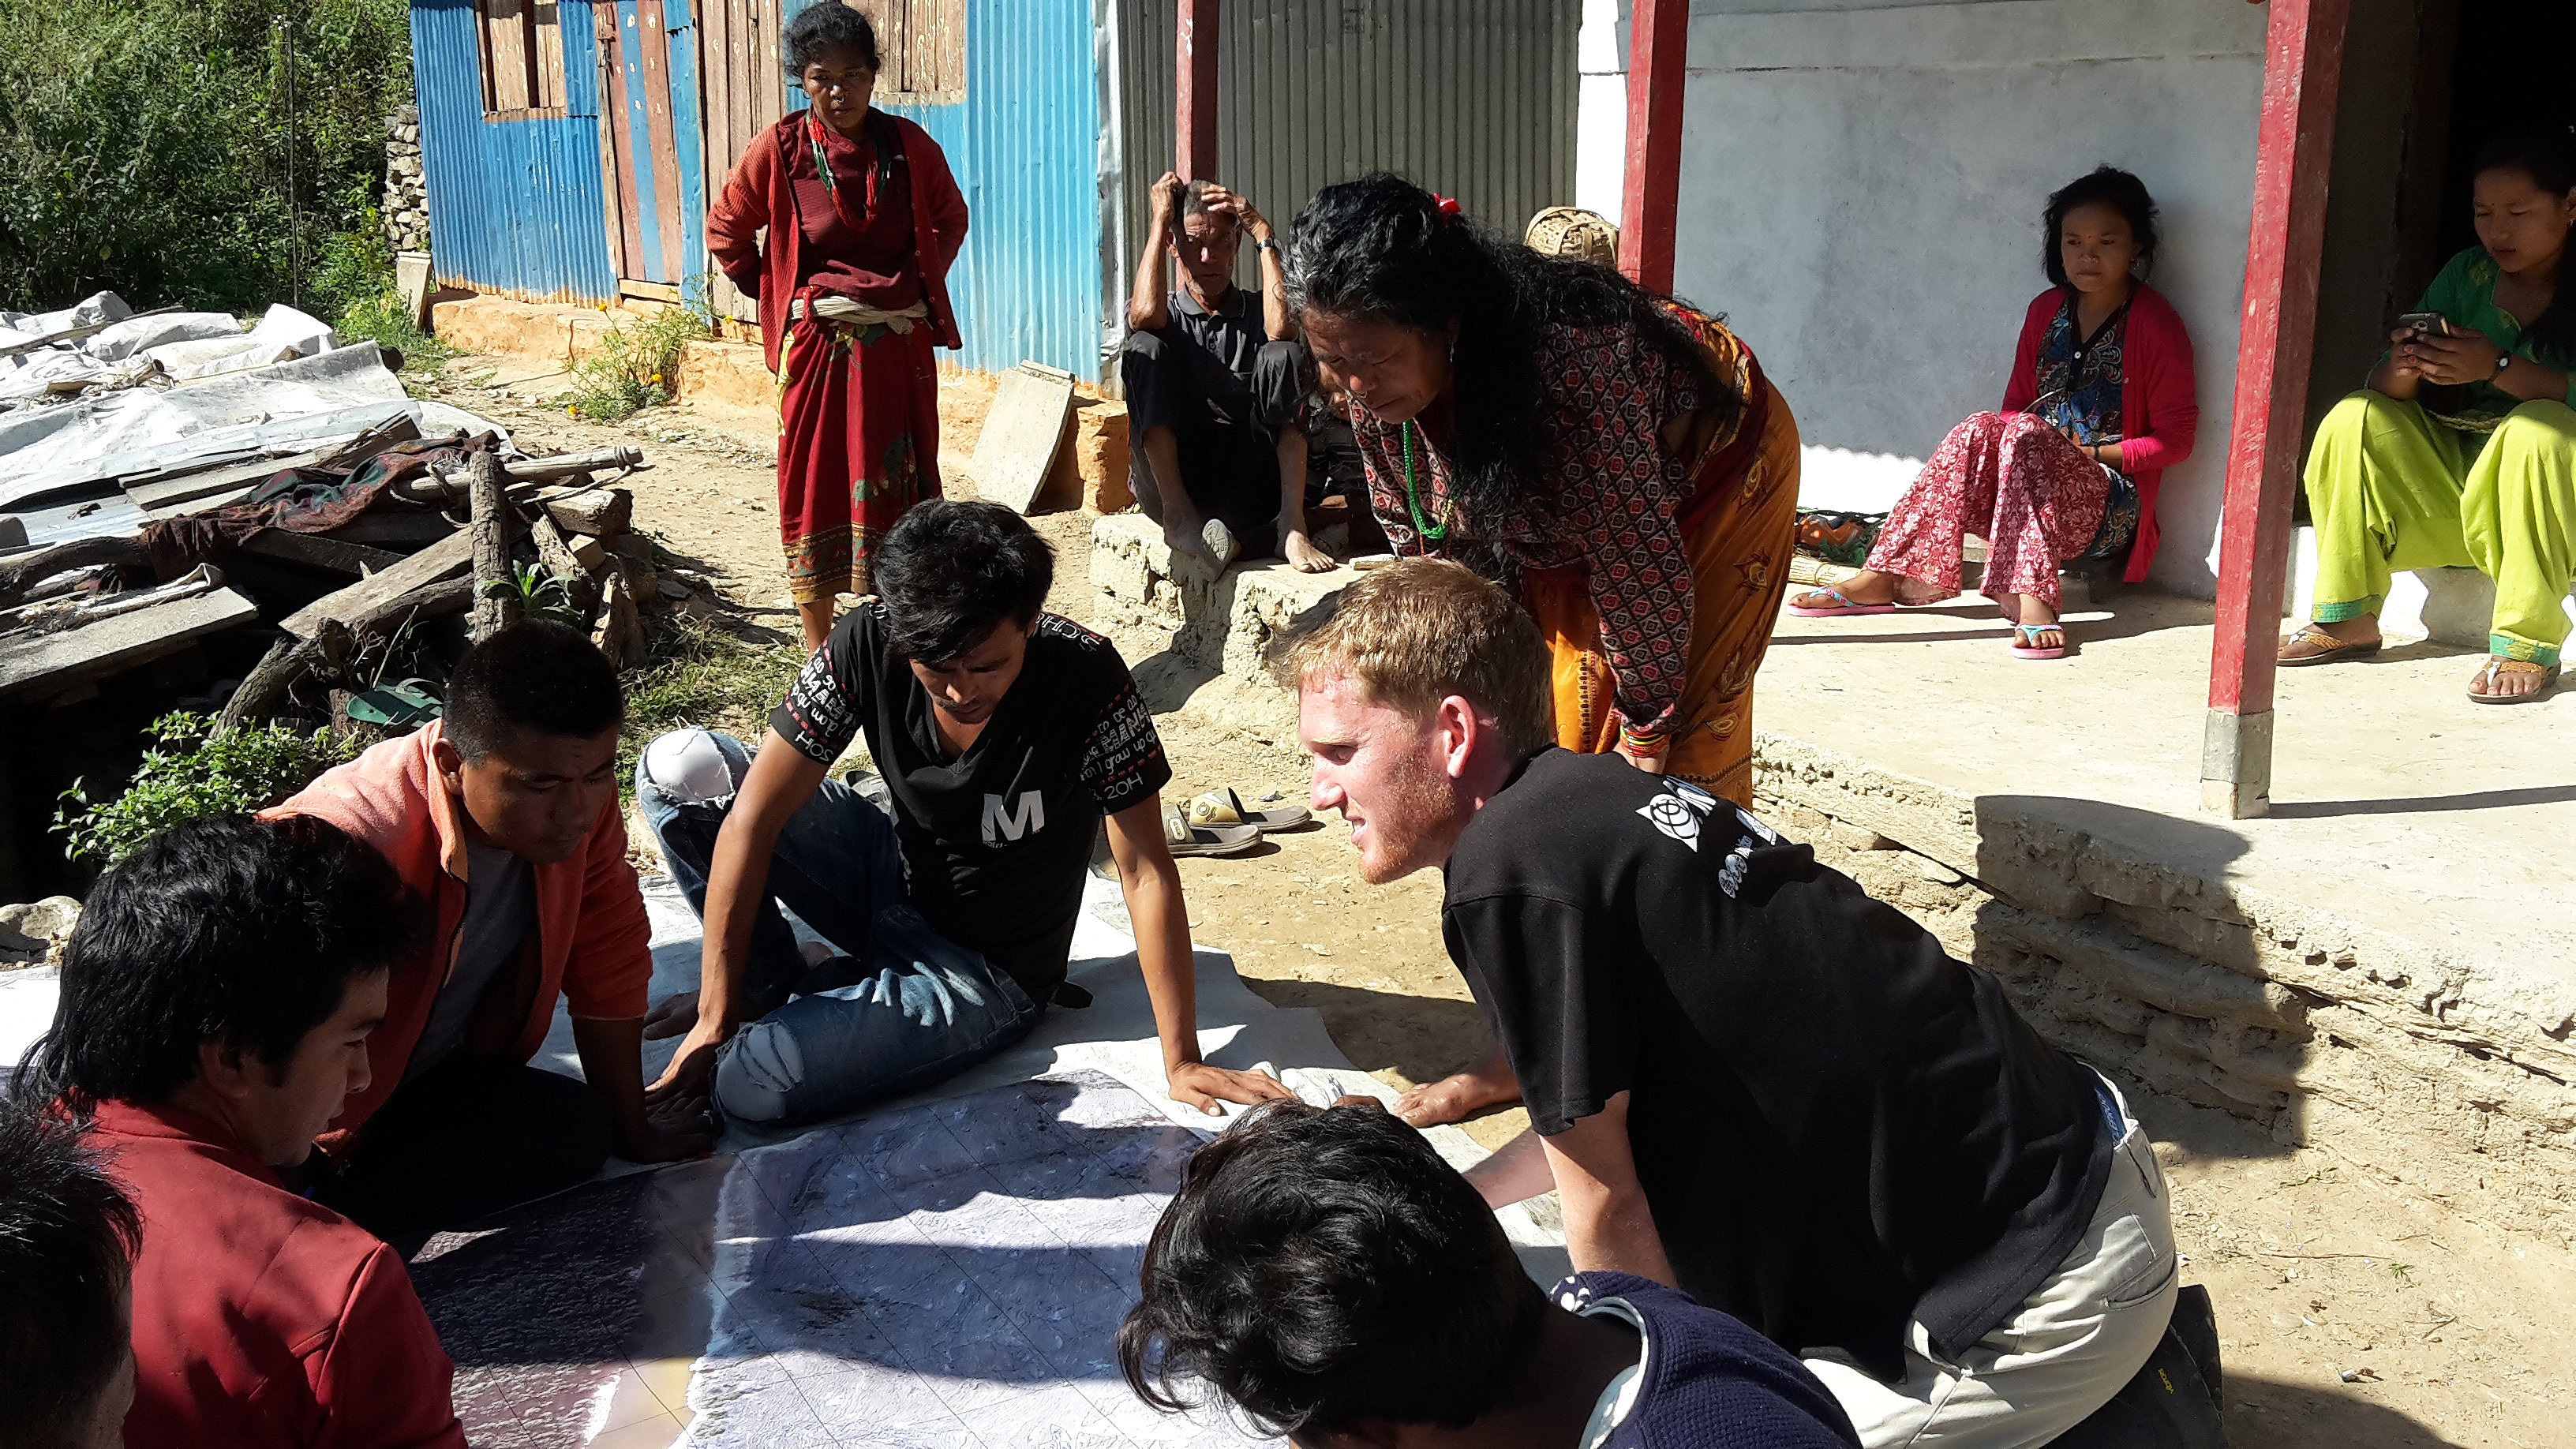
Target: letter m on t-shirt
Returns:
[[1004, 821]]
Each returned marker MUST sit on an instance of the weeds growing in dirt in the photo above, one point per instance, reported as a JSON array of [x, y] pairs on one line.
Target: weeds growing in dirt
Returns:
[[635, 365], [701, 674]]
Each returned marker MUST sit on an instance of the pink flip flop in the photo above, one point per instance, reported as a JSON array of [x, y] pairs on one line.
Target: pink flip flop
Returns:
[[1841, 609], [2024, 648]]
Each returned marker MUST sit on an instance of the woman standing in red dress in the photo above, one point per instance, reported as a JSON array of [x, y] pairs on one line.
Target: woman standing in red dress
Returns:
[[863, 221]]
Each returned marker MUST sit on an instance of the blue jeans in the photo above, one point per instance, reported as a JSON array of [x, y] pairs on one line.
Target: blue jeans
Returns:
[[903, 1008]]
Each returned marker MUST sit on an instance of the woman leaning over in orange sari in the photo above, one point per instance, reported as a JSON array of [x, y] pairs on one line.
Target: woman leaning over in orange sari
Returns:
[[863, 220], [1618, 457]]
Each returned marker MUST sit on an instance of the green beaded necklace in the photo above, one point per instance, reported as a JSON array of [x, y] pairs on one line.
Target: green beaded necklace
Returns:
[[1413, 500]]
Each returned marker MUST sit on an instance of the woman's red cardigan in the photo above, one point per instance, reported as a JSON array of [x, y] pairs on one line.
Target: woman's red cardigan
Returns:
[[2159, 411], [758, 195]]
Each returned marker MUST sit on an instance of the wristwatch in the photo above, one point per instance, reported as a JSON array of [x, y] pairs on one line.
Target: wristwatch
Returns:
[[1266, 244], [2504, 359]]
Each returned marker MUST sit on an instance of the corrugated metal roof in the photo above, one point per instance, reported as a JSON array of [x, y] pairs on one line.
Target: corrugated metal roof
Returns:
[[515, 207], [1472, 98]]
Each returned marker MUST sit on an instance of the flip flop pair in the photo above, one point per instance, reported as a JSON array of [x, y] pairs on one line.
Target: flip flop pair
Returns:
[[1217, 823]]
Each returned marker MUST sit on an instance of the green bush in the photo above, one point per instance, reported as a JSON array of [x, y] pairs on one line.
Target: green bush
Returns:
[[145, 148], [635, 365], [193, 775]]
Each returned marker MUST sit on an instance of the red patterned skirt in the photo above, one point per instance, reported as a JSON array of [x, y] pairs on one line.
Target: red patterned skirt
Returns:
[[858, 446]]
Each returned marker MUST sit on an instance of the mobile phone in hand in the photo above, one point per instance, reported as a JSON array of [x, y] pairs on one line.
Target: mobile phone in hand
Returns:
[[2429, 324]]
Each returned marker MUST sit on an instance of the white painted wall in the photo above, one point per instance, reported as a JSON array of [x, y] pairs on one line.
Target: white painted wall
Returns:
[[1862, 182]]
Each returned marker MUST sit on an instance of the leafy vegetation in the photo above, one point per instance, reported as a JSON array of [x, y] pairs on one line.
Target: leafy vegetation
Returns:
[[195, 773], [635, 365], [147, 148]]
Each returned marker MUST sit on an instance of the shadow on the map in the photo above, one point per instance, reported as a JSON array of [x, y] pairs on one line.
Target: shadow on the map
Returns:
[[1423, 1037], [2282, 1415]]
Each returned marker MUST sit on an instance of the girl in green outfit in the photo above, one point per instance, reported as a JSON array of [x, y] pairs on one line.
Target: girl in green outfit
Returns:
[[2481, 470]]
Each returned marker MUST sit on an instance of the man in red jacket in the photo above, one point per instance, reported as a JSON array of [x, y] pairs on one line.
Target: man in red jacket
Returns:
[[504, 816], [217, 999]]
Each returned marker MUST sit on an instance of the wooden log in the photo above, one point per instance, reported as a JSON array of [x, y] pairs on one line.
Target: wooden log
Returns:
[[620, 629], [335, 643], [599, 513], [559, 560], [496, 591], [17, 575], [451, 557]]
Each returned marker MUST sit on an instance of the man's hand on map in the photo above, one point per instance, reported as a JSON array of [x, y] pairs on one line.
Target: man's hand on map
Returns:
[[679, 1126], [694, 1065], [1203, 1086]]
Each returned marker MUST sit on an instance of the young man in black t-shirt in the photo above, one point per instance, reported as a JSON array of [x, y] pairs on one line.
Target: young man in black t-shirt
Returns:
[[1745, 1077], [1005, 734], [1327, 1274]]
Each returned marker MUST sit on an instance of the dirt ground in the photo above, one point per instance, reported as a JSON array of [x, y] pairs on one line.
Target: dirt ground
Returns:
[[2355, 1311]]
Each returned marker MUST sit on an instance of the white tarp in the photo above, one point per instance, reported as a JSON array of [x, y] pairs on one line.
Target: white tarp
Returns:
[[98, 437]]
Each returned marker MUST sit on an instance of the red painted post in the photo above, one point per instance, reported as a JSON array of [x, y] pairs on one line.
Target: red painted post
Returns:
[[2294, 149], [1195, 126], [1658, 46]]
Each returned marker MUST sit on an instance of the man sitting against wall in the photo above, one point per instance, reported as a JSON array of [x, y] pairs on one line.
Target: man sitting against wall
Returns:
[[1212, 376], [504, 815], [1747, 1079], [217, 1000]]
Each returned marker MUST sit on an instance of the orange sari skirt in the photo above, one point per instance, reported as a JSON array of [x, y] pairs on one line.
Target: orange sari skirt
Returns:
[[1737, 529]]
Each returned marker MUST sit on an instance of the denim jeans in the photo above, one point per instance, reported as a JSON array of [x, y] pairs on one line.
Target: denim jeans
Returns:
[[904, 1007]]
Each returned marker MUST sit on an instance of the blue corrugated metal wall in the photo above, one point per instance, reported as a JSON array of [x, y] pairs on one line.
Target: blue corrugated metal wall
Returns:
[[514, 206], [1024, 146]]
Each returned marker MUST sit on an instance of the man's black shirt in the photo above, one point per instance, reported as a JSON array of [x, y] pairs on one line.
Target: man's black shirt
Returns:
[[1837, 1126], [995, 842]]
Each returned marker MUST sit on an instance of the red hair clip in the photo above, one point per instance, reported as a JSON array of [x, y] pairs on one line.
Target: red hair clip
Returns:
[[1448, 204]]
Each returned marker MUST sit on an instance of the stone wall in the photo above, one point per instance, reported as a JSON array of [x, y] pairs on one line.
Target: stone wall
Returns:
[[406, 205], [2449, 1072]]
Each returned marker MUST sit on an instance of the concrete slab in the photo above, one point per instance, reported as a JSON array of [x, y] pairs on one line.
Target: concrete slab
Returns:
[[2397, 803]]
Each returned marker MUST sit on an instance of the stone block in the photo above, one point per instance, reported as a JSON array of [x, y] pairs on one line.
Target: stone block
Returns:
[[1099, 455], [1857, 837]]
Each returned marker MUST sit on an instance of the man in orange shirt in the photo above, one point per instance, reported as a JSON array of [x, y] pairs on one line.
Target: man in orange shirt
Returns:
[[217, 999], [504, 817]]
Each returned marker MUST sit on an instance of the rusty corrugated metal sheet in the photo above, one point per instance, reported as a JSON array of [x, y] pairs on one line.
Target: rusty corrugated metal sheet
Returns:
[[1472, 98], [515, 207]]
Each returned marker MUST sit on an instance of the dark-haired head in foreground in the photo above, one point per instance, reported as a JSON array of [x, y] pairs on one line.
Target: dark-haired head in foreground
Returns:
[[528, 748], [1327, 1274], [1324, 1271], [67, 1242], [233, 967], [963, 584]]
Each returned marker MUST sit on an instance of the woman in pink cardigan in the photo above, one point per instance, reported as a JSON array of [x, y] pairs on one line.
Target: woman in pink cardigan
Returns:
[[2099, 405]]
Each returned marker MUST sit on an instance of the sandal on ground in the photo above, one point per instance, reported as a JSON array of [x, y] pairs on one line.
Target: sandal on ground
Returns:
[[1841, 606], [1224, 807], [2026, 643], [1187, 839], [2493, 671], [2321, 647]]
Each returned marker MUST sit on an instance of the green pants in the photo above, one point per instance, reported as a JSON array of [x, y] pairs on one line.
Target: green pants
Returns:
[[2392, 487]]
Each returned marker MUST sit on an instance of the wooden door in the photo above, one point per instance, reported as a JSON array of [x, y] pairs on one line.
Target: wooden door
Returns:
[[649, 98], [742, 92]]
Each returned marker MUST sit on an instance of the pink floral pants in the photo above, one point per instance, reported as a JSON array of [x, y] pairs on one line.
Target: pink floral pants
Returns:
[[2013, 481]]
